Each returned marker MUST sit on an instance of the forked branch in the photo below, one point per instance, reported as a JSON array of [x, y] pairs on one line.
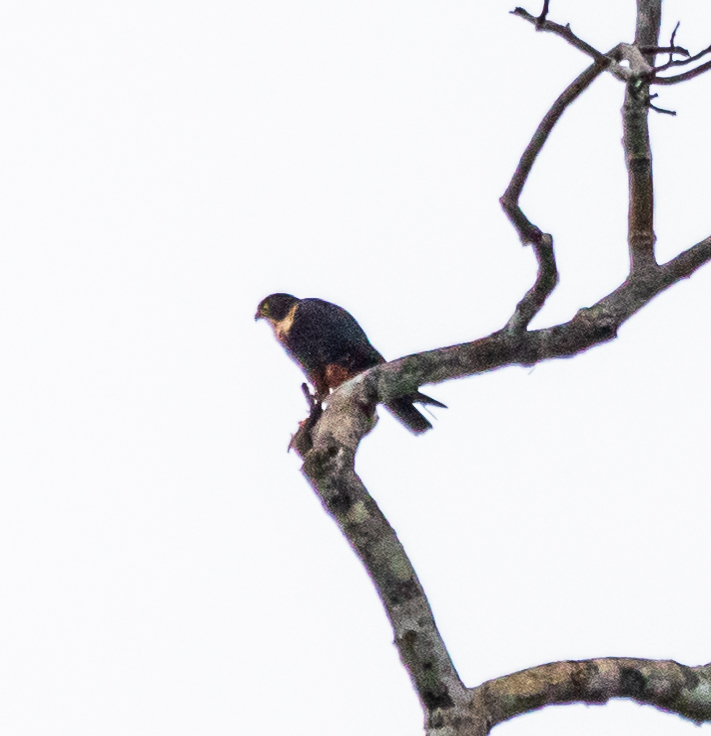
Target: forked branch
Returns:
[[542, 23], [680, 62], [685, 76], [328, 442]]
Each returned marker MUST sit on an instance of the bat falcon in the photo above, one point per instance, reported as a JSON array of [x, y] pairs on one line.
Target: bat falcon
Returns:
[[331, 347]]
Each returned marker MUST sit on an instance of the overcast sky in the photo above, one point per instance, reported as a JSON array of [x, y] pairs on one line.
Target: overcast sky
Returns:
[[164, 568]]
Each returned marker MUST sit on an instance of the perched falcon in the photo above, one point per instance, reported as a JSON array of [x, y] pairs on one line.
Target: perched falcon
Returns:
[[331, 348]]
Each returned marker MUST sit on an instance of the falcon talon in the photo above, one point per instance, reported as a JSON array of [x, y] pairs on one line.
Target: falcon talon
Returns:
[[331, 348], [311, 399]]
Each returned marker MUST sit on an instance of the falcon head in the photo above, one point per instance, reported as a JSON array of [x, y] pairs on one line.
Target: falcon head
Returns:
[[275, 307]]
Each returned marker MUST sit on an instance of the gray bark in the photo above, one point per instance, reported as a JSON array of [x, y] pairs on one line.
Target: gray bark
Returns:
[[328, 442]]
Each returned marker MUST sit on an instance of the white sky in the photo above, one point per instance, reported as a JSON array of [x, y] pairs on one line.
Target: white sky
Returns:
[[164, 568]]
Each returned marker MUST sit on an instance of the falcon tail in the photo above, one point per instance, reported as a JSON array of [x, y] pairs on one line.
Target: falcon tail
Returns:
[[404, 410]]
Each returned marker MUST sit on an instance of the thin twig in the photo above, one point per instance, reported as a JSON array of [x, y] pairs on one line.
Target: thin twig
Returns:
[[661, 109], [683, 62], [671, 43], [665, 50], [564, 32], [683, 77]]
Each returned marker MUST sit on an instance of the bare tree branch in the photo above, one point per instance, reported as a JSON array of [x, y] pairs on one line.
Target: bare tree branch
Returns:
[[589, 327], [673, 34], [544, 13], [671, 49], [668, 685], [649, 21], [681, 62], [683, 77], [536, 296], [684, 62], [638, 157], [661, 110], [638, 152], [648, 11], [528, 232], [328, 442], [329, 468], [542, 24]]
